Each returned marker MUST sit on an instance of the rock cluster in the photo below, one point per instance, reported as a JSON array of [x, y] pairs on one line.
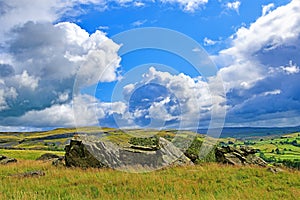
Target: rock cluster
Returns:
[[150, 154], [5, 160], [243, 155], [85, 153]]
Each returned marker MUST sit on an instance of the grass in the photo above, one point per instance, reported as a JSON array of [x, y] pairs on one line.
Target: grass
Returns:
[[203, 181], [206, 181], [28, 154]]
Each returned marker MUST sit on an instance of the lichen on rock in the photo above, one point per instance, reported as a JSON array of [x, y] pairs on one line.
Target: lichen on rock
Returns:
[[86, 152]]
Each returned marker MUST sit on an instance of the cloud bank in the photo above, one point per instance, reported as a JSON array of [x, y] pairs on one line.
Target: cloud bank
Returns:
[[41, 57], [261, 77], [40, 60]]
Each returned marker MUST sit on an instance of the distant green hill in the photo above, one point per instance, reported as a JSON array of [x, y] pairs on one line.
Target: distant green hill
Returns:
[[253, 132], [279, 147]]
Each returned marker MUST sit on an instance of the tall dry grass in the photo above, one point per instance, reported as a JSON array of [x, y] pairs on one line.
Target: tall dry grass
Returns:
[[206, 181]]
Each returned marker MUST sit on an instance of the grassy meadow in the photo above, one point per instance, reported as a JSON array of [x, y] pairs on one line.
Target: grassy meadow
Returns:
[[202, 181], [205, 181]]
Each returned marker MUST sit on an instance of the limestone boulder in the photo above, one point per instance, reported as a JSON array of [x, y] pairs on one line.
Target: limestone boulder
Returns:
[[88, 152]]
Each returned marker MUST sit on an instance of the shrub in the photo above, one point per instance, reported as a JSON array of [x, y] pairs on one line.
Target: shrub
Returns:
[[291, 163], [146, 142], [193, 152]]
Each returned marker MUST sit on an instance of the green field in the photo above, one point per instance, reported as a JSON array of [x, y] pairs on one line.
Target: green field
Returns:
[[277, 148]]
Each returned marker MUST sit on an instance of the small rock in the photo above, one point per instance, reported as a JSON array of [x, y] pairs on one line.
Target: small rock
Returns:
[[274, 170], [30, 174], [48, 156], [5, 160], [59, 161]]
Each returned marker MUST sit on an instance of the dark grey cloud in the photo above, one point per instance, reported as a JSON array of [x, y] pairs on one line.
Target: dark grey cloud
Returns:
[[279, 55], [4, 7], [40, 49], [6, 70], [273, 96]]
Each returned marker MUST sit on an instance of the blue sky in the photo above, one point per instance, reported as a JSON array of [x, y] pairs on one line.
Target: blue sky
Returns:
[[61, 64]]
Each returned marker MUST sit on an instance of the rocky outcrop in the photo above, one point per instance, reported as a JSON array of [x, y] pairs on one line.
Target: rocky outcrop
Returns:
[[87, 152], [5, 160], [238, 156]]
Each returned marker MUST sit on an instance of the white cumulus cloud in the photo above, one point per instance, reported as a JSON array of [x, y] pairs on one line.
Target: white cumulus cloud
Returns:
[[209, 42], [291, 69], [250, 46], [187, 5], [25, 80], [194, 97], [234, 5], [267, 8]]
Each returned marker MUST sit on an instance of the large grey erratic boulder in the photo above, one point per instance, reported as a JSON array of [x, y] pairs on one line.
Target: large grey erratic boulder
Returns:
[[87, 152], [238, 156]]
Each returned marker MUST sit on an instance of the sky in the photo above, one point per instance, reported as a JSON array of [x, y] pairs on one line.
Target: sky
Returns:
[[149, 63]]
